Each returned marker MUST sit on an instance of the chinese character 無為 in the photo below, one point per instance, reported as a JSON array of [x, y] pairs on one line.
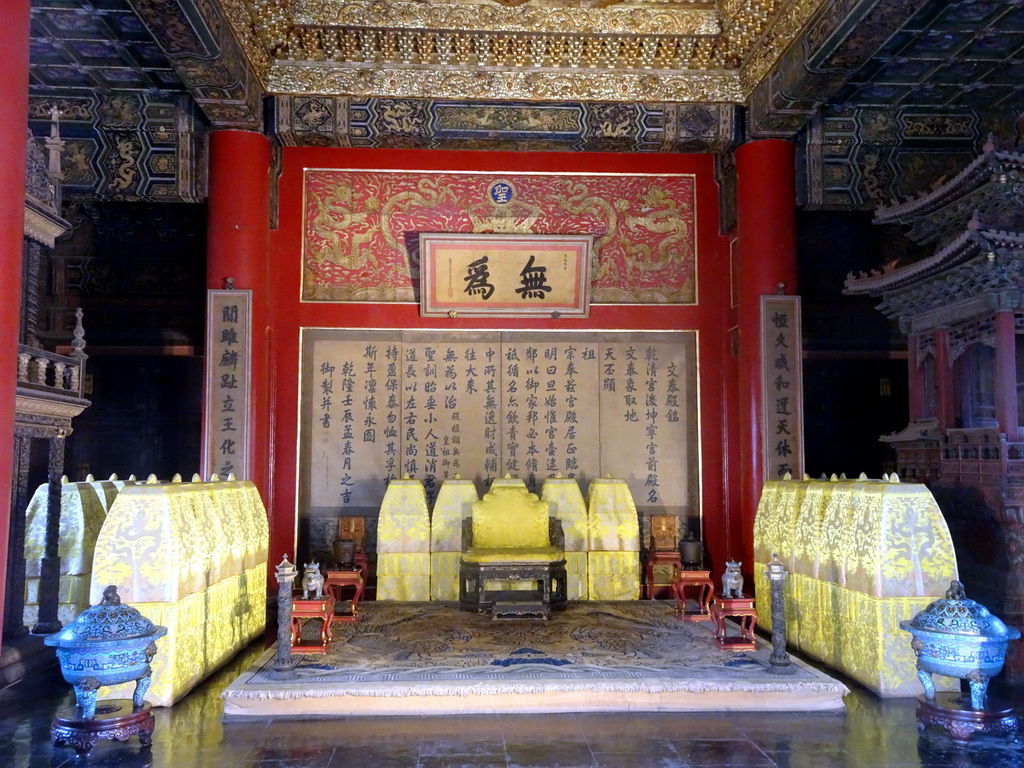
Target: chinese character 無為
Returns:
[[478, 279], [534, 281]]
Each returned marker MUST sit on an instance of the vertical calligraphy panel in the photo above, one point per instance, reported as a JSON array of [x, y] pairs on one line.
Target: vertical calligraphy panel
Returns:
[[352, 415], [228, 382], [548, 424], [782, 387], [648, 413], [444, 406], [381, 404]]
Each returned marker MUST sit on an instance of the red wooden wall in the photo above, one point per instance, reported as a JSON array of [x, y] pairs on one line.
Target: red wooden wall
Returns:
[[711, 317]]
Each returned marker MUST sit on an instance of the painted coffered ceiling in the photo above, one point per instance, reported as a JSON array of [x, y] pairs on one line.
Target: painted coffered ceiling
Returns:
[[144, 78], [675, 50]]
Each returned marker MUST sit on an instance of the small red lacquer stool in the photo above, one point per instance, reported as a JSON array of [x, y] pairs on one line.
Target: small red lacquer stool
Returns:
[[320, 608], [336, 580], [743, 609], [699, 580]]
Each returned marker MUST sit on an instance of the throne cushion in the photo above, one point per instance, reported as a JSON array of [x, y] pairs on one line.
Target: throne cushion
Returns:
[[512, 554], [508, 517]]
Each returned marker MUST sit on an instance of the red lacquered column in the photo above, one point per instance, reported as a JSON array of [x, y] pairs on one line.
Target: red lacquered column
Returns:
[[766, 227], [915, 379], [1006, 375], [14, 32], [944, 387], [238, 234]]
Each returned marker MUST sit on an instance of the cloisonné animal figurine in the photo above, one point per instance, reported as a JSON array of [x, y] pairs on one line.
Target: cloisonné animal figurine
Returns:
[[732, 580], [312, 582]]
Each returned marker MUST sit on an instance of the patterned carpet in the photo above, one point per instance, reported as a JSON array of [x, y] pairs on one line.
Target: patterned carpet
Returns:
[[612, 651]]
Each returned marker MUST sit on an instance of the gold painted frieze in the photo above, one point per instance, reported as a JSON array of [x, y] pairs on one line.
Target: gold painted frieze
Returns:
[[540, 49], [638, 18], [298, 78]]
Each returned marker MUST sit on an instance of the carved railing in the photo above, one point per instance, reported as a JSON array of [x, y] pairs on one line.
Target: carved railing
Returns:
[[51, 373], [980, 457]]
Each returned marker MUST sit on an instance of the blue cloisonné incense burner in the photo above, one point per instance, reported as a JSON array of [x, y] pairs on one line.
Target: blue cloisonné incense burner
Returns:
[[108, 644], [958, 637]]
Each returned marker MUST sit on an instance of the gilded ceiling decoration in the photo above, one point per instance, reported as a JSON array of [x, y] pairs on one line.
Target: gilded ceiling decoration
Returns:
[[545, 50]]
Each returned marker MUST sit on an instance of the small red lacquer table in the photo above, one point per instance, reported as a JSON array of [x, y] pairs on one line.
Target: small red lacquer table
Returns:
[[336, 580], [321, 608], [743, 609], [363, 564], [658, 557], [699, 580]]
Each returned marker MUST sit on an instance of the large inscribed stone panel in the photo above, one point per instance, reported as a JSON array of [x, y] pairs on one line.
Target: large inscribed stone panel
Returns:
[[549, 424], [648, 384], [379, 405], [361, 228]]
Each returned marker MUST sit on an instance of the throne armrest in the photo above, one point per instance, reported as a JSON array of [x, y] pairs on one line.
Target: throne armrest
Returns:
[[556, 535], [467, 533]]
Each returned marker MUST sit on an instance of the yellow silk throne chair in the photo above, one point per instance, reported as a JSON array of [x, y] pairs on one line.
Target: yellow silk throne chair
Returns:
[[513, 556]]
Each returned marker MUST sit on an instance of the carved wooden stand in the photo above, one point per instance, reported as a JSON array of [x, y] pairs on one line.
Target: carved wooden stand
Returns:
[[743, 609], [699, 580], [549, 580], [322, 609], [953, 711], [336, 580], [115, 719], [654, 558]]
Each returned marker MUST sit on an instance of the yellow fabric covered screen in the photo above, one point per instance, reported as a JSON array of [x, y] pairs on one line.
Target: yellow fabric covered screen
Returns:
[[566, 501], [454, 502], [191, 557], [83, 507], [862, 556], [613, 562], [403, 543]]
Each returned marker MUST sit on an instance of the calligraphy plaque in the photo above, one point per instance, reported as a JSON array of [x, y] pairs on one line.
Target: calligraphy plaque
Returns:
[[489, 275], [380, 404], [782, 387], [226, 432]]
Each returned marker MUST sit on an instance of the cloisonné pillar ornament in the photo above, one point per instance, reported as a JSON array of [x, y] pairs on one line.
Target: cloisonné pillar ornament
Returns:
[[15, 18], [779, 662], [766, 243], [284, 663]]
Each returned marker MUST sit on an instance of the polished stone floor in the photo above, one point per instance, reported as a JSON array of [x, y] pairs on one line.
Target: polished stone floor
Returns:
[[191, 735]]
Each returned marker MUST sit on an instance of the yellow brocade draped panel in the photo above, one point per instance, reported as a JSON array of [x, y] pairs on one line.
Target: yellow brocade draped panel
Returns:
[[454, 502], [148, 546], [613, 575], [577, 579], [565, 499], [403, 576], [863, 556], [613, 563], [613, 522], [444, 575], [83, 507], [189, 543], [404, 522], [403, 543]]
